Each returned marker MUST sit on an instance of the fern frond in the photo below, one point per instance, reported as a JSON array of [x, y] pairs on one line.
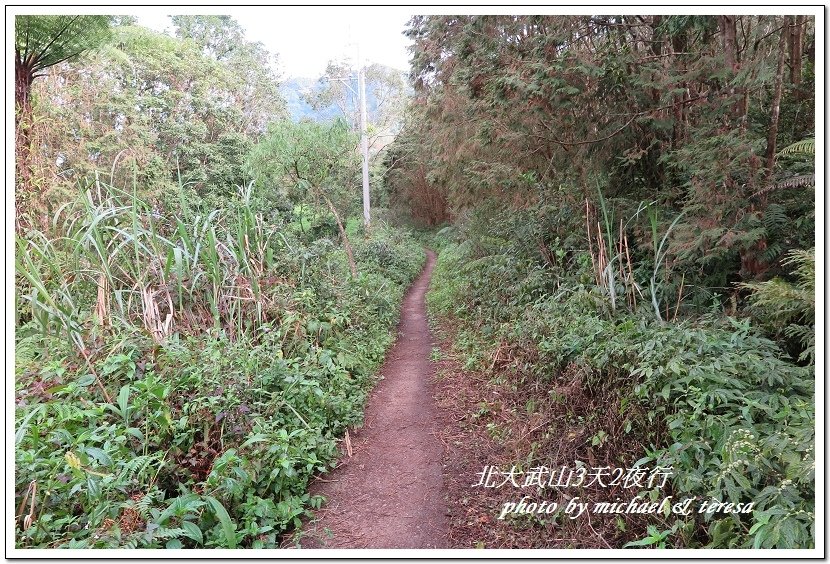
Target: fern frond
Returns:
[[165, 534], [772, 252], [778, 299], [143, 506], [804, 262], [135, 469], [803, 333], [800, 181], [809, 354], [775, 218], [806, 337], [803, 147], [790, 307]]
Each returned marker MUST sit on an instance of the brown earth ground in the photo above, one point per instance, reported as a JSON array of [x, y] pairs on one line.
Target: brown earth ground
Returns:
[[389, 492], [486, 420], [430, 429]]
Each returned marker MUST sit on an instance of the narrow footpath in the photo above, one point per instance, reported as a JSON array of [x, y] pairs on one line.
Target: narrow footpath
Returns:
[[388, 494]]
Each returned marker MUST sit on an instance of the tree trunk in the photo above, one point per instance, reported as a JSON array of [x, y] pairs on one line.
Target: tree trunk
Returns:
[[656, 49], [794, 41], [729, 32], [678, 45], [346, 244], [776, 98], [796, 45], [23, 78], [728, 26]]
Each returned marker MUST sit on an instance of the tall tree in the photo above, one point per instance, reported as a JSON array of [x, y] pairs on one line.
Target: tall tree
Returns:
[[386, 95], [222, 38], [313, 159], [778, 88], [795, 43], [526, 110], [155, 110], [42, 42], [219, 36]]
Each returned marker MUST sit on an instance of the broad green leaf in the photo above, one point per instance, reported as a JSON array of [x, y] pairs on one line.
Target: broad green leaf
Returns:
[[228, 527]]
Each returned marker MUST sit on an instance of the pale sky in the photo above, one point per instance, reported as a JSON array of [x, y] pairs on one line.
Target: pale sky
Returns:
[[306, 38]]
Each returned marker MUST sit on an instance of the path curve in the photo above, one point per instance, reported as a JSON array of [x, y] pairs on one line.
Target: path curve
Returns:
[[389, 494]]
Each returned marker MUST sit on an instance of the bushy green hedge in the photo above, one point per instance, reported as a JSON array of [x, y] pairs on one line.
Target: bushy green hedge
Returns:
[[211, 438], [735, 415]]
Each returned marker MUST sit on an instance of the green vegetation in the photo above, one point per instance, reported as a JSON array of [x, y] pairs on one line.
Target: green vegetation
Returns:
[[192, 338], [41, 43], [624, 211], [624, 230], [181, 389], [725, 407]]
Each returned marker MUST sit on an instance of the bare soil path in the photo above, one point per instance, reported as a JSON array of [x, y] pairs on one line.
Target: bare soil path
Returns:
[[389, 493]]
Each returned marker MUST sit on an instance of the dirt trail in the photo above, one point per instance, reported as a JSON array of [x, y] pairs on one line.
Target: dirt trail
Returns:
[[389, 493]]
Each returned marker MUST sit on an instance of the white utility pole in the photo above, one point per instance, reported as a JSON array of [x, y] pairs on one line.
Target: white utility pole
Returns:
[[364, 139], [364, 143]]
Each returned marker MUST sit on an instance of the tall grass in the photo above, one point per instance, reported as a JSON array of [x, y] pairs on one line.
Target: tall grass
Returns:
[[611, 260], [220, 359], [110, 259]]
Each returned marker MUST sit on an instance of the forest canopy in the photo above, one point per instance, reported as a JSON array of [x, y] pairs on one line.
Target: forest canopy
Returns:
[[628, 213], [623, 209]]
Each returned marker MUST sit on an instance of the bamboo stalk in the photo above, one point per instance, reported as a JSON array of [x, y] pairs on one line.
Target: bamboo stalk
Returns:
[[631, 274], [590, 244], [601, 253], [679, 296], [102, 301], [620, 252]]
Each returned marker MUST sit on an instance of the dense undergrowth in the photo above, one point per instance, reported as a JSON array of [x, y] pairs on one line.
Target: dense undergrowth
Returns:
[[711, 394], [629, 259], [180, 378]]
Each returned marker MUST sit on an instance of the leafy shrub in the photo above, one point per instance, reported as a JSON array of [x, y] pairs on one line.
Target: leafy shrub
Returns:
[[210, 435], [787, 309], [709, 396]]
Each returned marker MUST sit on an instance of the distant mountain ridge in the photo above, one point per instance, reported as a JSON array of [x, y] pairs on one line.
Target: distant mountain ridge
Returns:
[[293, 89]]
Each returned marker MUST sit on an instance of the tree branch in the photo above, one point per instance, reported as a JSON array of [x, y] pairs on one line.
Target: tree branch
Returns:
[[622, 127]]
